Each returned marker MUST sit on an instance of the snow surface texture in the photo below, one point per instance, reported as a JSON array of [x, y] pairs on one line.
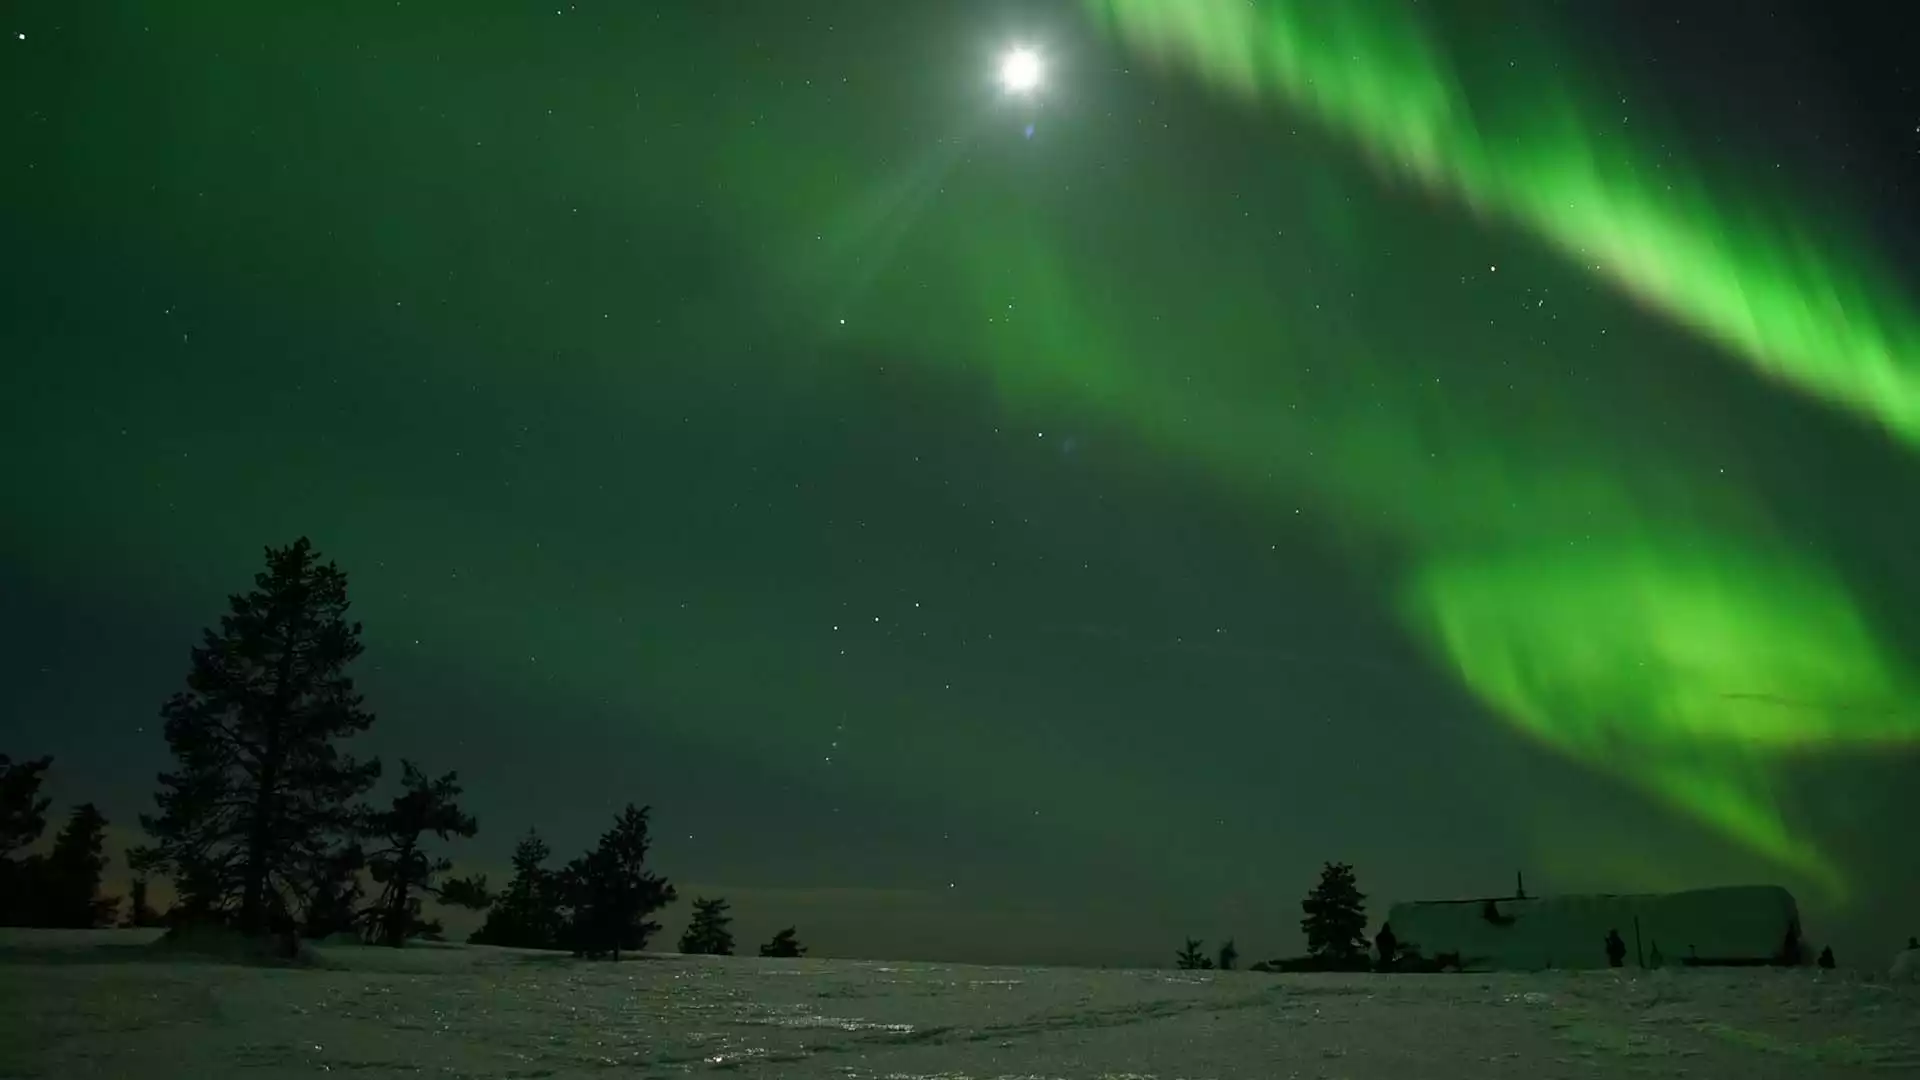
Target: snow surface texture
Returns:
[[78, 1004]]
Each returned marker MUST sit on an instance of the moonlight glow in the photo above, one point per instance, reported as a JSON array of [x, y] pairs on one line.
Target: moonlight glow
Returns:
[[1020, 71]]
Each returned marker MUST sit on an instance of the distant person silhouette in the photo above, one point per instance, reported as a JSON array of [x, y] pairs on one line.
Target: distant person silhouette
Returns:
[[1616, 949], [1826, 957], [1388, 944]]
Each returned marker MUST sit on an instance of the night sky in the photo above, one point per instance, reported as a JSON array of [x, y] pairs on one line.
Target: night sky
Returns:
[[1451, 438]]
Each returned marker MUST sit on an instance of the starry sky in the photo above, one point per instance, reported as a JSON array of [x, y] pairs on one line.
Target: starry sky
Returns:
[[1453, 438]]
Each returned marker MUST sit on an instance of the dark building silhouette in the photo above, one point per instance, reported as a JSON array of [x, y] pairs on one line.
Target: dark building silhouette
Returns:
[[1727, 926]]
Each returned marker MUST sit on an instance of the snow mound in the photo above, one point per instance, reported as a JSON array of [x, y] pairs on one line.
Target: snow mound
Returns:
[[1906, 966]]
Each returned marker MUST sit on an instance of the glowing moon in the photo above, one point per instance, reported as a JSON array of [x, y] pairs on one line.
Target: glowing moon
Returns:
[[1020, 71]]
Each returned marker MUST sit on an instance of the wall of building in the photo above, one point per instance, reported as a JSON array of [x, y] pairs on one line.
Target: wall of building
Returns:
[[1570, 932]]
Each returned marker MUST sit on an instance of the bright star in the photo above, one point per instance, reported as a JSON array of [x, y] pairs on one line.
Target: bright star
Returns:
[[1020, 71]]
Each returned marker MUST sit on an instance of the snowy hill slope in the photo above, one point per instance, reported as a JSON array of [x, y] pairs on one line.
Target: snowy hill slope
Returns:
[[77, 1004]]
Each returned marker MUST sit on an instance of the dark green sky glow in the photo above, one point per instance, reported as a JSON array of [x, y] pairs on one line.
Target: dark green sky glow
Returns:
[[1449, 438]]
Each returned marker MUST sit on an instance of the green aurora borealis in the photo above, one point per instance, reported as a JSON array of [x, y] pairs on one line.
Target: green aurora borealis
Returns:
[[1626, 651], [749, 400], [1753, 278]]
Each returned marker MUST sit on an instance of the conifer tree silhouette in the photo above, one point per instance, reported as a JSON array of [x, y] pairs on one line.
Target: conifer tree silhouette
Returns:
[[610, 893], [527, 914], [707, 933], [1335, 921], [402, 864], [23, 812], [1193, 957], [784, 945], [262, 793], [69, 878], [140, 913], [23, 817], [332, 887]]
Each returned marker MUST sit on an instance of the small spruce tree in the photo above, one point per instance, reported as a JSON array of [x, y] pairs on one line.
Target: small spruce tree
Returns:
[[1335, 921], [262, 793], [784, 945], [1193, 956], [707, 933], [527, 914]]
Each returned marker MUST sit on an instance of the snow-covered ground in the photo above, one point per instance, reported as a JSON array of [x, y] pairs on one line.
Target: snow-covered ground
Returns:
[[104, 1004]]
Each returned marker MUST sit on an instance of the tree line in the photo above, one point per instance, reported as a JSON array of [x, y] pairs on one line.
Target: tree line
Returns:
[[263, 823], [61, 888], [1334, 922]]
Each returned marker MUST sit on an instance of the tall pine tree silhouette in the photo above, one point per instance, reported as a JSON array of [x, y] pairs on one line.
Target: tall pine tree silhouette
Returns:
[[262, 794], [403, 866], [23, 817], [610, 893], [526, 915], [1335, 921], [707, 933], [785, 945], [69, 879]]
